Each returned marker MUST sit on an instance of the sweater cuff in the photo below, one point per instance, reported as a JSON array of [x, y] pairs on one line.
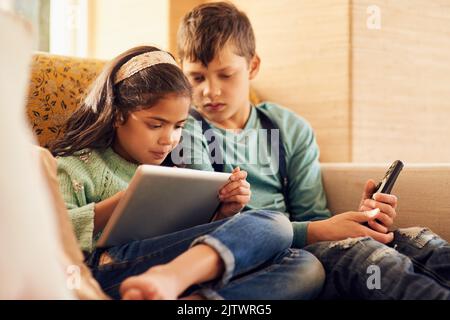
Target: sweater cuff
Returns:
[[300, 234], [83, 224]]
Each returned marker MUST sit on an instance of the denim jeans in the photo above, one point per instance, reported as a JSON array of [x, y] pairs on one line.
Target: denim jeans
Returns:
[[416, 265], [254, 247]]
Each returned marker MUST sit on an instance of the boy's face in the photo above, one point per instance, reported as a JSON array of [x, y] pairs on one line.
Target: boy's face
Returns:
[[149, 135], [221, 90]]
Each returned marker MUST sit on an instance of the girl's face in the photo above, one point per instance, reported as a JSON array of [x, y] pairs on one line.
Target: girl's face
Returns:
[[149, 135]]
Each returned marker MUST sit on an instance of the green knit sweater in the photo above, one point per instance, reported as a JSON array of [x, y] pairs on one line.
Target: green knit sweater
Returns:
[[87, 177]]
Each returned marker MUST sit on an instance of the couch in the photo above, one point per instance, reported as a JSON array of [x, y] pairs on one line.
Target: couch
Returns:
[[58, 84]]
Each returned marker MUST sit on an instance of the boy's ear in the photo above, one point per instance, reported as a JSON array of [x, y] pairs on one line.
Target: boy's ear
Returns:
[[254, 65]]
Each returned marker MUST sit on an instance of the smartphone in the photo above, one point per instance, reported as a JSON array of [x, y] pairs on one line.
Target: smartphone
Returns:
[[387, 183]]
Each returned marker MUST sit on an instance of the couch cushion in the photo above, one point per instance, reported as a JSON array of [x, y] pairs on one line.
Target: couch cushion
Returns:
[[57, 85]]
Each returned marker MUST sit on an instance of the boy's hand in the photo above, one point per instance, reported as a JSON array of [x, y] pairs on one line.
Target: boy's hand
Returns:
[[235, 194], [385, 202], [347, 225]]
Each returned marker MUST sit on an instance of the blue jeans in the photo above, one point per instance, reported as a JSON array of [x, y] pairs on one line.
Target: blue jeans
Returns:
[[416, 265], [254, 247]]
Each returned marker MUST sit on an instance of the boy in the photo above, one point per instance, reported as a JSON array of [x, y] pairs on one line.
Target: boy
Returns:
[[216, 46]]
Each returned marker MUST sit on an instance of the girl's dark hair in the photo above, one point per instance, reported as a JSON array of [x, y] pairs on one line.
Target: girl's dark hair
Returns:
[[92, 124]]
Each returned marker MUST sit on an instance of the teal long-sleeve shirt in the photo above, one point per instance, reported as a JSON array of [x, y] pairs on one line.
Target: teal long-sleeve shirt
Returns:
[[248, 150]]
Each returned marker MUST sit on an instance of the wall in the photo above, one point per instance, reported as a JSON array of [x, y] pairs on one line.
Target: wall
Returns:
[[372, 95], [117, 25], [177, 9], [401, 82]]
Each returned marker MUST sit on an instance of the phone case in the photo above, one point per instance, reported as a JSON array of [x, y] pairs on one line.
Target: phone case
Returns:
[[387, 183]]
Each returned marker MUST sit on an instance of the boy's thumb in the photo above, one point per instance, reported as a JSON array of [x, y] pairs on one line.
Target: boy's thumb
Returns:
[[369, 189]]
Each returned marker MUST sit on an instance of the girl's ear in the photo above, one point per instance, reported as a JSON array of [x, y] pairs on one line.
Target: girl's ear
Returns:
[[119, 120], [255, 63]]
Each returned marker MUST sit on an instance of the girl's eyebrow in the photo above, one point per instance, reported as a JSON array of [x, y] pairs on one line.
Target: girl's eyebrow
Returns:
[[165, 120]]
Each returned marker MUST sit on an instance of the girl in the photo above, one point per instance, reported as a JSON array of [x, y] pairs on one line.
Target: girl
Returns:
[[134, 115]]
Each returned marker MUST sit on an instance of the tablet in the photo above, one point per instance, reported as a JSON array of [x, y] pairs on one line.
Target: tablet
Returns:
[[161, 200]]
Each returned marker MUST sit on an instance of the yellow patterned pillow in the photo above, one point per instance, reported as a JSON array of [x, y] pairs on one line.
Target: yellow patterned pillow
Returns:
[[57, 85]]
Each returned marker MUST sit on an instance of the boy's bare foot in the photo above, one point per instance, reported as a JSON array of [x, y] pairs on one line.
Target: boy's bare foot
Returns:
[[158, 283]]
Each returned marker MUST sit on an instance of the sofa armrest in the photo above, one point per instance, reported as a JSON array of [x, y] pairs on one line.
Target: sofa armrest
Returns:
[[423, 191]]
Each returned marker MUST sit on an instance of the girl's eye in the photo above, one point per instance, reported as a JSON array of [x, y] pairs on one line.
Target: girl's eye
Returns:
[[181, 126], [154, 126], [226, 76]]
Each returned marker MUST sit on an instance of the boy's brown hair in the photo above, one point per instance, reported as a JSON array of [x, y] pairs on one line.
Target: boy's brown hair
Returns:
[[208, 27]]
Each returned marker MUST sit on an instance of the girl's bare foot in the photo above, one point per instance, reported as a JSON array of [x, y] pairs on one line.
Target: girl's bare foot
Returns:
[[199, 264], [158, 283], [193, 297]]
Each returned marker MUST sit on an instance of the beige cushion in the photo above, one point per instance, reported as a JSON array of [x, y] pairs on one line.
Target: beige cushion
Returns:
[[422, 190]]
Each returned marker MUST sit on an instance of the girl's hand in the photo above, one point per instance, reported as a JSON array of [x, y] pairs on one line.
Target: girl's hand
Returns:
[[234, 195], [104, 209]]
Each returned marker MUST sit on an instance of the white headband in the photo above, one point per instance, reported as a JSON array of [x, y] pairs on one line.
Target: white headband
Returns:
[[142, 61]]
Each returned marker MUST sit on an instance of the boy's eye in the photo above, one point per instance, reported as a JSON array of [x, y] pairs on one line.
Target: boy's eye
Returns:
[[225, 76], [180, 125], [199, 79]]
